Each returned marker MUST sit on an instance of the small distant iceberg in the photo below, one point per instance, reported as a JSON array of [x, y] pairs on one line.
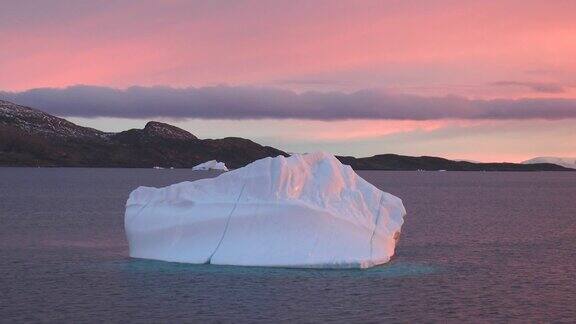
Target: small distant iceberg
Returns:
[[300, 211], [211, 165]]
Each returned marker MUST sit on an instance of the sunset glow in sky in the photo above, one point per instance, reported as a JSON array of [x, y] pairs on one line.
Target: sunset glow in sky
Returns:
[[479, 80]]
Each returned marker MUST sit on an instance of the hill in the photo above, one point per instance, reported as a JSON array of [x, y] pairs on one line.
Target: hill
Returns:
[[30, 137], [563, 161]]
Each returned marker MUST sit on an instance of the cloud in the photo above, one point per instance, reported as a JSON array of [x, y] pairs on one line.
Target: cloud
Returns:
[[542, 87], [235, 102], [305, 82]]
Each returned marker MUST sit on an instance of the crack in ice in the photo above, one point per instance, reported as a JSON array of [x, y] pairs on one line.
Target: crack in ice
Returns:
[[376, 226], [226, 225]]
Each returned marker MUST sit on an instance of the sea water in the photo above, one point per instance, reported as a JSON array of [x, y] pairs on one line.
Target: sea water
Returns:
[[475, 246]]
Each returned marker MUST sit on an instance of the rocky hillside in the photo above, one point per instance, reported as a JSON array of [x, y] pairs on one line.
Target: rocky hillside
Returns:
[[29, 137], [37, 123]]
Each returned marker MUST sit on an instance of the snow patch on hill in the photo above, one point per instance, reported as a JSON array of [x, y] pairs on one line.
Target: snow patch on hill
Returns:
[[33, 121]]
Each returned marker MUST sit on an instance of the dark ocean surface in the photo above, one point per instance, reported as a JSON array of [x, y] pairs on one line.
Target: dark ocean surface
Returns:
[[475, 247]]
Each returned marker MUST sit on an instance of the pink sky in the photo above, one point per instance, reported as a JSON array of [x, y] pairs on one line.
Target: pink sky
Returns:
[[481, 49]]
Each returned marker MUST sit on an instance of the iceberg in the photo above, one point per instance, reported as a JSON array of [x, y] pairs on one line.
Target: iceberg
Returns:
[[299, 211], [211, 165]]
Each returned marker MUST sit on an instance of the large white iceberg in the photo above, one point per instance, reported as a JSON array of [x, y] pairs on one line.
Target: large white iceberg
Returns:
[[211, 165], [298, 211]]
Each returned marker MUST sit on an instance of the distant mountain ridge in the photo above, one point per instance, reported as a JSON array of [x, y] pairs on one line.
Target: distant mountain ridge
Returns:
[[562, 161], [30, 137], [431, 163]]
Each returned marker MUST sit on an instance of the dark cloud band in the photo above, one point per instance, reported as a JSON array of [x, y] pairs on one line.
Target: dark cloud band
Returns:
[[542, 87], [225, 102]]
